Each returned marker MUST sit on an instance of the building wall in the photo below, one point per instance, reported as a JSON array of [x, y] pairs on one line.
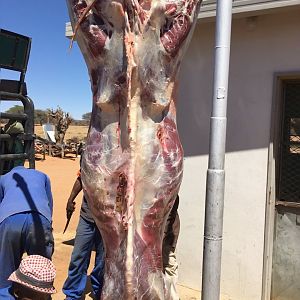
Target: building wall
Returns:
[[260, 47]]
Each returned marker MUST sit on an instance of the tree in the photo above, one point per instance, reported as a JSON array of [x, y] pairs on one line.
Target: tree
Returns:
[[41, 116], [17, 109], [87, 116], [62, 120]]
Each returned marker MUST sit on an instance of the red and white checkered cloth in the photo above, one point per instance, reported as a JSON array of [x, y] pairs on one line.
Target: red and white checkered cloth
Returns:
[[37, 273]]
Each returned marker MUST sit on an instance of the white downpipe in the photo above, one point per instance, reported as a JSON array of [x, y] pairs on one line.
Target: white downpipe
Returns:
[[213, 227]]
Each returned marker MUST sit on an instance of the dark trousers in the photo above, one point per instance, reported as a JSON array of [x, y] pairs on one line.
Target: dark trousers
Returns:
[[28, 232], [87, 235]]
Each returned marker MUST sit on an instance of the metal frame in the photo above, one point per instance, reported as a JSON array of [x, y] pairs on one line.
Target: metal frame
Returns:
[[28, 137], [19, 93], [14, 68], [17, 36]]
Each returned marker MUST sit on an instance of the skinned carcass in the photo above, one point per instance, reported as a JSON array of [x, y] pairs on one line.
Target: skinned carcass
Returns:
[[132, 165]]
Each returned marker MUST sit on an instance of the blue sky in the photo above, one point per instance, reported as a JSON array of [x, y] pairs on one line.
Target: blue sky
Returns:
[[55, 76]]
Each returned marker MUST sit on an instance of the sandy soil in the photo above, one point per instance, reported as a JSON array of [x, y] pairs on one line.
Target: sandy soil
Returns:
[[62, 173]]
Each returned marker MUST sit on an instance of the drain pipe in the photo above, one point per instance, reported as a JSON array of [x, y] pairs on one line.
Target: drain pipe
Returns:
[[215, 180]]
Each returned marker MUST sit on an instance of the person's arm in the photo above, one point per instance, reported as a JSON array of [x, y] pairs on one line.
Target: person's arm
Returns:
[[77, 187]]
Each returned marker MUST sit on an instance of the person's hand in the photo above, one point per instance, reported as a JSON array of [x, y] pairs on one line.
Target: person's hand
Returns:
[[70, 208]]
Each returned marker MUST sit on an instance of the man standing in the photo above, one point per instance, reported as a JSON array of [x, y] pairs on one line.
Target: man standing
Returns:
[[87, 235], [26, 207]]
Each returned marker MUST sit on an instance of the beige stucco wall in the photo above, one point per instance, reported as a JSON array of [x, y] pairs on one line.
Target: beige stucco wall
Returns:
[[269, 45]]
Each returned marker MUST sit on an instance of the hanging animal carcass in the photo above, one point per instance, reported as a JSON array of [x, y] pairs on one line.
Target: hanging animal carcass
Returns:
[[132, 165]]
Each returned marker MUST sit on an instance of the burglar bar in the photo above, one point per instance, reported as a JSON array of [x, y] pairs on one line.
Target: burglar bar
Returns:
[[14, 156], [24, 137], [18, 117]]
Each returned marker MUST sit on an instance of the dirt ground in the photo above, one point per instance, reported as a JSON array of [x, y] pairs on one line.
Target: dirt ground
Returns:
[[62, 173]]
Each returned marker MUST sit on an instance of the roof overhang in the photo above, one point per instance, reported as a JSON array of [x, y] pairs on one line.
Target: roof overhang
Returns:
[[247, 7]]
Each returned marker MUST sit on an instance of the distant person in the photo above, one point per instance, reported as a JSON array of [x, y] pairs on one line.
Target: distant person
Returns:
[[14, 146], [87, 236], [26, 207], [34, 279]]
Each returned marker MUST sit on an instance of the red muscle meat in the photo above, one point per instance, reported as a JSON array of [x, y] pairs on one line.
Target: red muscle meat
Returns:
[[133, 162]]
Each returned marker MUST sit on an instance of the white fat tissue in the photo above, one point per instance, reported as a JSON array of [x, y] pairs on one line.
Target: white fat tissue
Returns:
[[133, 162]]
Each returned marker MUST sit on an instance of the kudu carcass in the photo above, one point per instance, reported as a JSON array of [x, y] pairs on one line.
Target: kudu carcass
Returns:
[[132, 165]]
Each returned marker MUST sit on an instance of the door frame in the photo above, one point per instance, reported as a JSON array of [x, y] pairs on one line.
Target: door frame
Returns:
[[273, 155]]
